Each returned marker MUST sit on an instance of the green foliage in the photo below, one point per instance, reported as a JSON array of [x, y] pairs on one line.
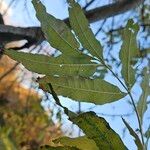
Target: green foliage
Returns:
[[89, 88], [129, 51], [56, 31], [142, 103], [69, 83], [97, 129], [61, 65], [70, 75], [133, 133], [83, 89]]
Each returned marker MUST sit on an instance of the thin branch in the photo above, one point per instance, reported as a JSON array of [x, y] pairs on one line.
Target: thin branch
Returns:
[[69, 113], [88, 4], [10, 33], [110, 10], [56, 98], [10, 4]]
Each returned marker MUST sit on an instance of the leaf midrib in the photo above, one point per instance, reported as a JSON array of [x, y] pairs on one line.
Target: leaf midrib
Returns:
[[85, 90], [128, 60], [55, 64]]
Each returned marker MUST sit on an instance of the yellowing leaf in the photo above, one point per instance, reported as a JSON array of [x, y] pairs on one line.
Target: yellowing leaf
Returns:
[[82, 142], [97, 129], [83, 89], [47, 147]]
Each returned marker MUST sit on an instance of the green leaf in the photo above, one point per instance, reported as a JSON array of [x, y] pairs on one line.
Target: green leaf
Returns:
[[142, 103], [97, 129], [80, 25], [133, 133], [129, 51], [82, 142], [54, 66], [47, 147], [56, 31], [83, 89]]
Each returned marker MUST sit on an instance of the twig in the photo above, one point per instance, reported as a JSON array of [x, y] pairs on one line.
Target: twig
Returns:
[[88, 4], [56, 98]]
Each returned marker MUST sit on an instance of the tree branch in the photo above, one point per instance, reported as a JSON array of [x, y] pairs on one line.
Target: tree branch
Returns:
[[10, 33], [34, 34], [107, 11]]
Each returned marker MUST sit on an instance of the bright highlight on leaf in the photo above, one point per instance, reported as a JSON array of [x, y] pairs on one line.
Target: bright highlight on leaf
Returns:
[[83, 89], [80, 25]]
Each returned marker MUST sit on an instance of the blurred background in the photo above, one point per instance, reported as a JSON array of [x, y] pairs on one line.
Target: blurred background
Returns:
[[28, 116]]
